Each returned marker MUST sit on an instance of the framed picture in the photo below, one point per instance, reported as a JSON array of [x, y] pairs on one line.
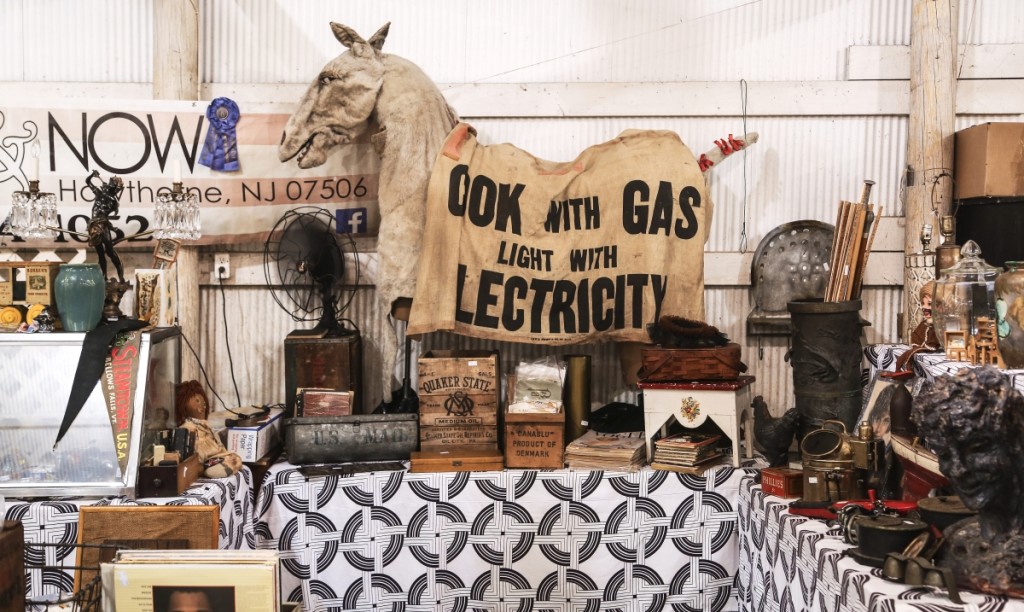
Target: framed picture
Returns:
[[875, 409], [190, 597], [103, 530], [172, 581], [165, 253]]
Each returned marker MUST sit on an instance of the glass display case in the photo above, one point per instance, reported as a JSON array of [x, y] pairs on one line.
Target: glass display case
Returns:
[[38, 370]]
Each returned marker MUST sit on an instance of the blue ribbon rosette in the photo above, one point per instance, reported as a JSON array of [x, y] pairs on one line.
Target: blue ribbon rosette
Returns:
[[220, 151]]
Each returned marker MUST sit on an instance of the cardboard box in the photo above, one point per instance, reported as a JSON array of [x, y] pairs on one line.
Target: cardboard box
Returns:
[[39, 282], [782, 482], [251, 443], [534, 439], [989, 161], [456, 461]]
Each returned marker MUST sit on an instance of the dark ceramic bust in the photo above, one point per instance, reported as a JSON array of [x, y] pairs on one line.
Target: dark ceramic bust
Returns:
[[974, 423]]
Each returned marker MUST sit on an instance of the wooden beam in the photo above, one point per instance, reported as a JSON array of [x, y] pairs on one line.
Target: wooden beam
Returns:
[[933, 86], [892, 62], [529, 100], [721, 269], [176, 77]]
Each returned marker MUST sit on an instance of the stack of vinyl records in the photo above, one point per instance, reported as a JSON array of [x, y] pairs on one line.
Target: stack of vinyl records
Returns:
[[623, 452], [689, 452]]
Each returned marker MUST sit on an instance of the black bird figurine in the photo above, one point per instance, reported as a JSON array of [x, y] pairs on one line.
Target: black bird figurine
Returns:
[[772, 435]]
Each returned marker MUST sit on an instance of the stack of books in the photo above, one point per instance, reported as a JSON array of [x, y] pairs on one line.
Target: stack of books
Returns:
[[621, 452], [688, 452]]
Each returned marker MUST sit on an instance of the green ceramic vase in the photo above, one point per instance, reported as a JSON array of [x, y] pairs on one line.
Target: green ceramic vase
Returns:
[[79, 290]]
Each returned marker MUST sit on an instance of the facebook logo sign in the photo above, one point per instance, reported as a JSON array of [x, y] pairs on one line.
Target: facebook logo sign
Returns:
[[351, 220]]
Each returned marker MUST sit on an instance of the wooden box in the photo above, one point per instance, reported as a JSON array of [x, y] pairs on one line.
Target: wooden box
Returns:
[[456, 460], [332, 362], [12, 567], [460, 395], [534, 439], [782, 482], [168, 480]]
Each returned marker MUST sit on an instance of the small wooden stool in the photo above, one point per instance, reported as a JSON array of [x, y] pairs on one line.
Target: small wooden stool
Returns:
[[725, 402]]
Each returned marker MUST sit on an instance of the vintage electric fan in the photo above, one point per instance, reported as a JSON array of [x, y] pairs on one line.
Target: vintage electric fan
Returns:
[[305, 270]]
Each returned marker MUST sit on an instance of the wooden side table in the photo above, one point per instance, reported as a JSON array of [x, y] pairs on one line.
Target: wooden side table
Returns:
[[725, 402]]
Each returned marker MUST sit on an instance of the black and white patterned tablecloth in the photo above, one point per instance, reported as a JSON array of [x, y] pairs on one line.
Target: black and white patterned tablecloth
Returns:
[[56, 522], [790, 563], [926, 365], [516, 540]]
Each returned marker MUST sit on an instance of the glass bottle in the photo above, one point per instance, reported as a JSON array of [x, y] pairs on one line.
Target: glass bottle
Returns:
[[963, 294]]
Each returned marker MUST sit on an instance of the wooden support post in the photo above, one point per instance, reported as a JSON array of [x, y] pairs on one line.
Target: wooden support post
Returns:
[[176, 77], [933, 59]]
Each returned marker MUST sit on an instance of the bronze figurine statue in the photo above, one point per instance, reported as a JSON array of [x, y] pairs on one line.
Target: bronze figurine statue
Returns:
[[974, 423], [101, 237], [105, 207]]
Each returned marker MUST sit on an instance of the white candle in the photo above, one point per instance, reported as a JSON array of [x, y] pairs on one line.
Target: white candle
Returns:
[[177, 171], [35, 161]]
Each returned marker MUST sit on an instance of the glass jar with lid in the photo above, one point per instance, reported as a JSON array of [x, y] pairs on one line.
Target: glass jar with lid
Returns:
[[963, 294]]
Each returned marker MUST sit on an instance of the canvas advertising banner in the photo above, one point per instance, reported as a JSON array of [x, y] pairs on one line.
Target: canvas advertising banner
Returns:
[[520, 249], [144, 141]]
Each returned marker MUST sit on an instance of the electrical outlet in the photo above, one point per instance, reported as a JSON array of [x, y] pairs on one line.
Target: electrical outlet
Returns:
[[221, 266]]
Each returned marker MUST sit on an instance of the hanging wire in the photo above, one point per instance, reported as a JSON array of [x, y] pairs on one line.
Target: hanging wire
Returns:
[[227, 343], [203, 370], [743, 107]]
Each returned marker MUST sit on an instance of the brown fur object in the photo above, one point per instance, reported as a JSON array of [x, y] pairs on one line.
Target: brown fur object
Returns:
[[223, 463], [678, 332]]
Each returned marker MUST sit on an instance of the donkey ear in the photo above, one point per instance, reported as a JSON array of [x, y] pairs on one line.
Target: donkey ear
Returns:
[[346, 35], [377, 40]]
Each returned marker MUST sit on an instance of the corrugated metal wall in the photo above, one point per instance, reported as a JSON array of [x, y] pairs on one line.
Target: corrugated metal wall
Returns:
[[801, 167]]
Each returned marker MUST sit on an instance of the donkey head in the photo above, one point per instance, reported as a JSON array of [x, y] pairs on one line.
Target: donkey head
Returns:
[[336, 108]]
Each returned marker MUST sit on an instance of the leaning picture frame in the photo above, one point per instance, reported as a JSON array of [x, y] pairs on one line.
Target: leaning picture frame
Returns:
[[165, 253], [875, 408], [103, 530]]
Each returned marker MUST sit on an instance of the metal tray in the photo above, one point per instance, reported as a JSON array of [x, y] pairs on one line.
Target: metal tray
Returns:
[[364, 437]]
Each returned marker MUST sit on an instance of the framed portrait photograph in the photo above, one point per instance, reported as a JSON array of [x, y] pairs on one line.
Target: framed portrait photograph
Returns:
[[103, 530], [189, 598]]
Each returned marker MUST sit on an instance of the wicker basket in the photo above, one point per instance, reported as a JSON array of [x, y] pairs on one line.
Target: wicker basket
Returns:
[[666, 365]]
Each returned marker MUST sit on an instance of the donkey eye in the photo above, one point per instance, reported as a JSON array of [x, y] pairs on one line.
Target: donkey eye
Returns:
[[326, 79]]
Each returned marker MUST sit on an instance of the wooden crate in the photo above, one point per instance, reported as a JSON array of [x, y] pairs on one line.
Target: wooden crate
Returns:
[[456, 460], [459, 393], [534, 440], [461, 436], [12, 566]]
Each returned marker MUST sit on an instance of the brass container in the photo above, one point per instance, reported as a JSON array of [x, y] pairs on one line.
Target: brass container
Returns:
[[831, 480], [827, 444]]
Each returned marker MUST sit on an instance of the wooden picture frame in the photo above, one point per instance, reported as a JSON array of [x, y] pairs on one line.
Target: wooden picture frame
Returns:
[[103, 529], [165, 253]]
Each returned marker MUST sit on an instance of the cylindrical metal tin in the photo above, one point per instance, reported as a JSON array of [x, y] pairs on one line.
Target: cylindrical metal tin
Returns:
[[576, 396]]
